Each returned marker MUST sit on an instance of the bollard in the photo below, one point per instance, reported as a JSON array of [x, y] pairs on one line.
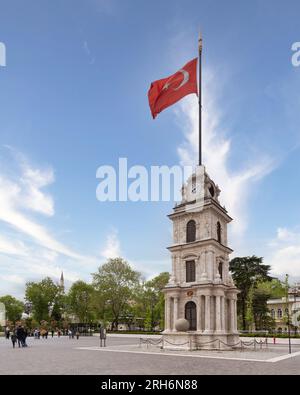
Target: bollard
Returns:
[[274, 340]]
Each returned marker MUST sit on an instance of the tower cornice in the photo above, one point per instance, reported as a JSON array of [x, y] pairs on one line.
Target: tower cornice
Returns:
[[199, 243], [208, 203]]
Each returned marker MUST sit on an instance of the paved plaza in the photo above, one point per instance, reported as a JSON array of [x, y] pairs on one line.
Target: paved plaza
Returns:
[[123, 355]]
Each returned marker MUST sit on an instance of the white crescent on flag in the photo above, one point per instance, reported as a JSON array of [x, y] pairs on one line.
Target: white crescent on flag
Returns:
[[186, 77]]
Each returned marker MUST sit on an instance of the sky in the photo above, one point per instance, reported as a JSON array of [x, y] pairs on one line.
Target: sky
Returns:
[[73, 97]]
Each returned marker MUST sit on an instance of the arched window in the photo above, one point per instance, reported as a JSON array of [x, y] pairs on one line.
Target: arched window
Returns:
[[190, 271], [220, 269], [273, 314], [219, 232], [191, 231], [191, 315], [279, 313]]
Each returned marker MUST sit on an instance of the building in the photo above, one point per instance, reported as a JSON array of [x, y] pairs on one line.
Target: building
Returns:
[[281, 308], [200, 289]]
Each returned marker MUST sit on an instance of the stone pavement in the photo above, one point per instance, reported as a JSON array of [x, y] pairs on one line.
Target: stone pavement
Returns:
[[124, 356]]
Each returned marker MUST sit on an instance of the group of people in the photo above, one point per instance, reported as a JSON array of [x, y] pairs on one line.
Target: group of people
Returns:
[[18, 335]]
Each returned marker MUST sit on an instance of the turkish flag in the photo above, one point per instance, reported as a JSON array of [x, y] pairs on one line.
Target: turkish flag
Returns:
[[167, 91]]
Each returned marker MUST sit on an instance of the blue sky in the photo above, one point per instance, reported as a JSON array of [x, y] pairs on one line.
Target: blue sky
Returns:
[[73, 96]]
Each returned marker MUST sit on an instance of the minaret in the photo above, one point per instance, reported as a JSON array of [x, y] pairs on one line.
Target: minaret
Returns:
[[62, 281], [200, 298]]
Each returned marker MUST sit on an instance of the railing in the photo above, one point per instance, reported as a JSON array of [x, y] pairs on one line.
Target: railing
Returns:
[[216, 344]]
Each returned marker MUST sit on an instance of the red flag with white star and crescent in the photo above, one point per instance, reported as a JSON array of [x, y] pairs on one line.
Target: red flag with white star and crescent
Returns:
[[167, 91]]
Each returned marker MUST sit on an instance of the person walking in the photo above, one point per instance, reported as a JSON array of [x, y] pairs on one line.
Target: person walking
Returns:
[[7, 332], [25, 335], [13, 339], [77, 335], [20, 336]]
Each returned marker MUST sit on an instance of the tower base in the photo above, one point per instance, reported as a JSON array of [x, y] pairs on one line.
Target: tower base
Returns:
[[188, 341]]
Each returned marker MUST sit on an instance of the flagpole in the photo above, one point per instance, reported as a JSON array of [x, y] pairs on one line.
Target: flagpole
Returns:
[[200, 98]]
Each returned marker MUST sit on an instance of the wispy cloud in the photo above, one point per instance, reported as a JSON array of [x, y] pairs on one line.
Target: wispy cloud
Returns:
[[236, 185], [112, 248], [284, 255], [88, 52], [29, 249], [23, 193]]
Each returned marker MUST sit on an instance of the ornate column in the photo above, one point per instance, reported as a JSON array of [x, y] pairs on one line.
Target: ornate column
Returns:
[[218, 313], [175, 311], [210, 265], [235, 315], [167, 314], [207, 313], [173, 275], [223, 314], [232, 315], [199, 314], [203, 263]]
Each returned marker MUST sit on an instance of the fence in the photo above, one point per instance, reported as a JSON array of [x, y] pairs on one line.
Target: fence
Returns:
[[216, 344]]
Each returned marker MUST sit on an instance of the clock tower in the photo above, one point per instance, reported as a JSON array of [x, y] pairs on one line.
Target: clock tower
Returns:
[[200, 298]]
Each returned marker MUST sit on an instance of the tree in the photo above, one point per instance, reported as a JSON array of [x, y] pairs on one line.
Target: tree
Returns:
[[154, 298], [80, 301], [247, 272], [115, 283], [261, 294], [13, 307], [46, 298]]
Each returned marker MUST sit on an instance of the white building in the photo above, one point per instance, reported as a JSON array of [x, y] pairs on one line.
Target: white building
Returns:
[[281, 308]]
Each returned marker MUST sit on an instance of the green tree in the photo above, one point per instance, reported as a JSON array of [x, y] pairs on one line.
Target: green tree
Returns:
[[247, 272], [274, 288], [116, 283], [46, 298], [154, 298], [80, 301], [262, 293], [14, 308]]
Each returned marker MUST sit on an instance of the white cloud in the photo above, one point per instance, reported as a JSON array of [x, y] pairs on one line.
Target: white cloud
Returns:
[[12, 247], [285, 254], [112, 248], [23, 191], [236, 185], [11, 278]]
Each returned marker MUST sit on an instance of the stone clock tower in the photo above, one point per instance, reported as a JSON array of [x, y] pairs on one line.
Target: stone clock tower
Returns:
[[200, 298]]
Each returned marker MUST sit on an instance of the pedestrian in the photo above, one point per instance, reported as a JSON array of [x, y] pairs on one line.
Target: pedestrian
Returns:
[[20, 336], [25, 335], [14, 339], [52, 333], [77, 335], [7, 332], [70, 333]]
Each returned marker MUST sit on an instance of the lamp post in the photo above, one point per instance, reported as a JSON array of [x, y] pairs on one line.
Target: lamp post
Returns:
[[288, 311], [294, 292]]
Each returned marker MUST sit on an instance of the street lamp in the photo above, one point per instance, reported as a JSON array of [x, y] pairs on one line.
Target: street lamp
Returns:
[[294, 292], [288, 311]]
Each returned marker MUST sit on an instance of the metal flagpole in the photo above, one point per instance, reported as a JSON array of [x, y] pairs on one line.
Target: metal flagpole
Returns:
[[200, 98]]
